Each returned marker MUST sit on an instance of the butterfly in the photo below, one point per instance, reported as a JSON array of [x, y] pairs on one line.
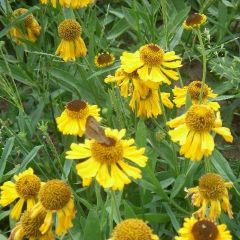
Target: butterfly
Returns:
[[93, 130]]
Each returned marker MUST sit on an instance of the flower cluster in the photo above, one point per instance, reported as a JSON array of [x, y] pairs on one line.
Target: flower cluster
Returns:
[[43, 201], [140, 75]]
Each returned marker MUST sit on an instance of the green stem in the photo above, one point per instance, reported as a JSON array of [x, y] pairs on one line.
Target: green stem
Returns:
[[115, 206], [175, 163], [180, 79], [207, 163], [204, 63]]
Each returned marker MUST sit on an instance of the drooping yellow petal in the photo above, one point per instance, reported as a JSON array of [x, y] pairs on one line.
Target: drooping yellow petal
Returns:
[[179, 134], [207, 143], [103, 177], [120, 178], [47, 223], [88, 168], [17, 209], [224, 132], [135, 155], [130, 170]]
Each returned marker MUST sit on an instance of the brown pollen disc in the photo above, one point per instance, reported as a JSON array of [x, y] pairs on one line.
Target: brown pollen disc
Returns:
[[194, 89], [193, 19], [104, 58], [111, 153], [28, 186], [55, 194], [76, 105], [211, 186], [151, 54], [204, 230], [69, 30]]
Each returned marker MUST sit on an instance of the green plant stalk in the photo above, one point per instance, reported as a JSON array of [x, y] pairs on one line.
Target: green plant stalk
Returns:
[[115, 206], [207, 164], [12, 88], [204, 63], [172, 145]]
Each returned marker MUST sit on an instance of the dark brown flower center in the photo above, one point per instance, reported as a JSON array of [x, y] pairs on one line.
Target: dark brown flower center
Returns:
[[195, 18], [76, 105], [104, 58], [204, 230]]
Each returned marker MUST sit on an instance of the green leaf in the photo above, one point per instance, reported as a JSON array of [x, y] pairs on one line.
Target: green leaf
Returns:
[[155, 217], [141, 134], [2, 237], [31, 155], [172, 216], [92, 228], [119, 27], [5, 154], [128, 211], [223, 167], [178, 185]]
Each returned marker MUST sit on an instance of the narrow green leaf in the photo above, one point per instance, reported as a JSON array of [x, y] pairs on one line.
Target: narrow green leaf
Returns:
[[31, 155], [141, 134], [92, 228], [5, 154], [178, 185]]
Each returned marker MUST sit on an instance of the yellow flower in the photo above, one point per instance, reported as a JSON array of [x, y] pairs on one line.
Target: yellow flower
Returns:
[[194, 20], [29, 29], [152, 63], [25, 188], [104, 59], [193, 131], [194, 91], [29, 228], [72, 45], [145, 99], [132, 229], [194, 229], [212, 193], [123, 80], [109, 163], [55, 197], [69, 3], [73, 119]]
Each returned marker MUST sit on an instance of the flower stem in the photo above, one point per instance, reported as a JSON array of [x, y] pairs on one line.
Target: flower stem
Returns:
[[207, 163], [115, 206], [172, 144], [204, 62]]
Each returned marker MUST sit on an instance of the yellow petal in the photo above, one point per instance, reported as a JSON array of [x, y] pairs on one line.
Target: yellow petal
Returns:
[[207, 143], [119, 178], [225, 133], [176, 121], [88, 168], [103, 176], [47, 223], [175, 64], [179, 134], [170, 73], [170, 56], [130, 170], [78, 151], [131, 61], [17, 209], [135, 155]]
